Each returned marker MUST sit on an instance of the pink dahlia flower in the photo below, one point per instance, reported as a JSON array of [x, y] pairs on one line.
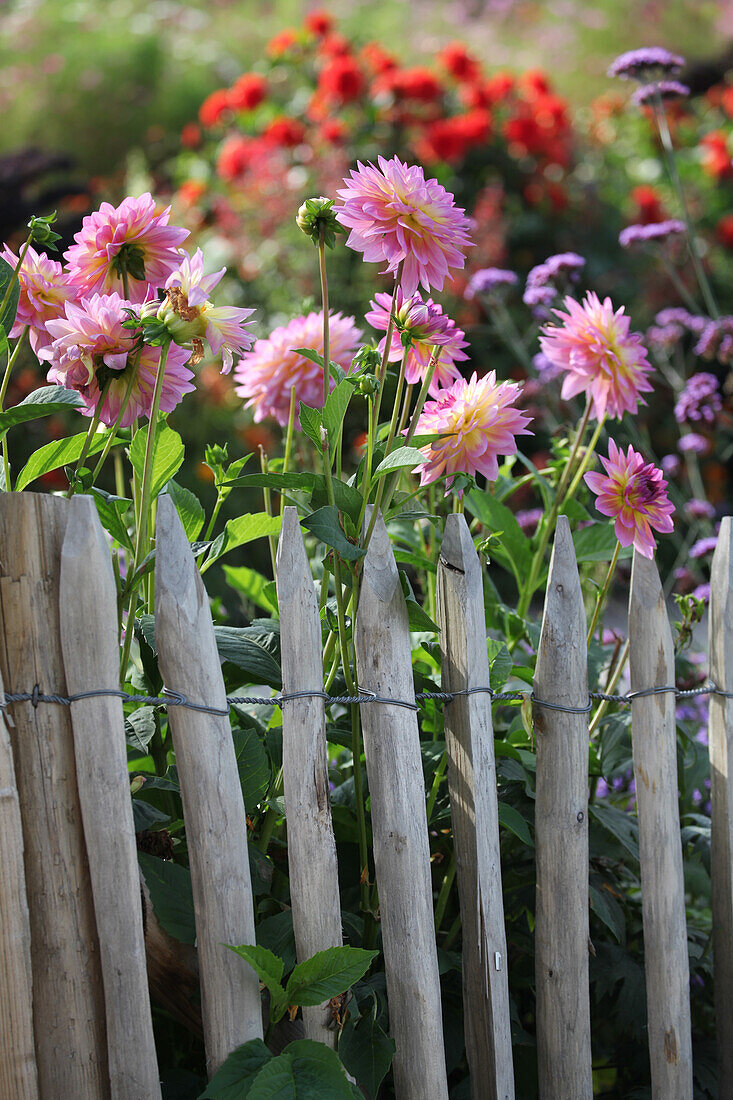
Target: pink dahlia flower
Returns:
[[134, 237], [479, 420], [91, 348], [266, 375], [634, 494], [395, 215], [602, 358], [425, 326], [44, 291], [191, 316]]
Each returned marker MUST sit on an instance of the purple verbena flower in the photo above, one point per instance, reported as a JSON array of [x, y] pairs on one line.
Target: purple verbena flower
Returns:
[[699, 509], [671, 465], [715, 340], [693, 442], [655, 231], [703, 547], [699, 400], [663, 89], [645, 62], [488, 279]]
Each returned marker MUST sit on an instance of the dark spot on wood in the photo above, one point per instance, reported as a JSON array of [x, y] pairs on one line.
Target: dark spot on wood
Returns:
[[671, 1053], [321, 781]]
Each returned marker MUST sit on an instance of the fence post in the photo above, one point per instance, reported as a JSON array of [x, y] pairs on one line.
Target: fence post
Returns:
[[312, 865], [68, 1000], [18, 1076], [654, 740], [213, 808], [721, 797], [561, 835], [469, 740], [90, 647], [399, 827]]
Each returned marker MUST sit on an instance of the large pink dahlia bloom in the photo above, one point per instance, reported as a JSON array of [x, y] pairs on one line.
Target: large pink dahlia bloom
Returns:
[[135, 237], [44, 291], [193, 316], [397, 216], [91, 348], [602, 358], [426, 327], [634, 494], [479, 420], [266, 375]]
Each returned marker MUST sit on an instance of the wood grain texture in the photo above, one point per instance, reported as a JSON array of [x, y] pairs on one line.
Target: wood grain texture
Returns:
[[561, 836], [18, 1076], [312, 865], [213, 808], [721, 797], [399, 828], [90, 648], [68, 999], [472, 783], [654, 738]]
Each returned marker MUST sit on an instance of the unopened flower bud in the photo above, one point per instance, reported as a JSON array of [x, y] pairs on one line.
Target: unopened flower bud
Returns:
[[317, 219], [41, 232]]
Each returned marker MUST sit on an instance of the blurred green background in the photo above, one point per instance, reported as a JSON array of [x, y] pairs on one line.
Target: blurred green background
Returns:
[[93, 79]]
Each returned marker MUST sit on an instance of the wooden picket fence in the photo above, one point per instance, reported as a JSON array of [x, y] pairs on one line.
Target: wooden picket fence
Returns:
[[75, 1016]]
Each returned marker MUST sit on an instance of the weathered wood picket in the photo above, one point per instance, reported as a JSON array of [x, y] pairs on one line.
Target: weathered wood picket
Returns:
[[75, 1016]]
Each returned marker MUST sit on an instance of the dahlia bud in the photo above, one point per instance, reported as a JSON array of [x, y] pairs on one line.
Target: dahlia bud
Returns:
[[41, 232], [316, 218]]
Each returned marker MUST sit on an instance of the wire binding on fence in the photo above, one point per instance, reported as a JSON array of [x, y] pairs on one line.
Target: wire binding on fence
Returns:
[[171, 698]]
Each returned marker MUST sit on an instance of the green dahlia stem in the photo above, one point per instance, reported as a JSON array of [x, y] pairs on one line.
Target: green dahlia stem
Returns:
[[267, 500], [118, 421], [3, 390], [387, 347], [91, 432], [612, 681], [589, 452], [600, 602], [324, 298]]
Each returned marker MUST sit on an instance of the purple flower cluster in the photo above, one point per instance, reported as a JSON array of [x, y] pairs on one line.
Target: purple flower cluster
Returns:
[[655, 231], [671, 465], [662, 89], [541, 288], [716, 340], [699, 509], [703, 547], [488, 279], [645, 62], [529, 518], [694, 443], [699, 400]]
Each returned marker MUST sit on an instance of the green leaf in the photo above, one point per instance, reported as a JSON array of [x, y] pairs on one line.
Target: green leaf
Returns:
[[6, 274], [235, 1075], [303, 479], [327, 974], [168, 453], [62, 452], [41, 402], [367, 1052], [306, 1070], [250, 584], [140, 727], [254, 650], [324, 524], [512, 819], [597, 543], [253, 765], [500, 663], [310, 422], [239, 531], [170, 890], [335, 408], [269, 969], [189, 508], [111, 511], [498, 518], [608, 910], [624, 827], [401, 456], [276, 933]]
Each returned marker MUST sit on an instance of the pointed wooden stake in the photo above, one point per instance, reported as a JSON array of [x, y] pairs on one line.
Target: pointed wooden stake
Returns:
[[472, 782], [216, 826], [313, 870], [18, 1076], [654, 737], [90, 647], [721, 796], [561, 835], [399, 827], [68, 997]]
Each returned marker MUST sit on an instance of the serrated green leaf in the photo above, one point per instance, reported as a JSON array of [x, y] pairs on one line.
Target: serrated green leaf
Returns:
[[111, 510], [268, 968], [367, 1052], [235, 1075], [401, 456], [239, 531], [327, 974], [189, 508], [254, 650], [624, 827], [306, 1070], [170, 890], [41, 402], [310, 423], [335, 408], [608, 910], [253, 766], [250, 584], [276, 933], [324, 524], [62, 452], [168, 455]]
